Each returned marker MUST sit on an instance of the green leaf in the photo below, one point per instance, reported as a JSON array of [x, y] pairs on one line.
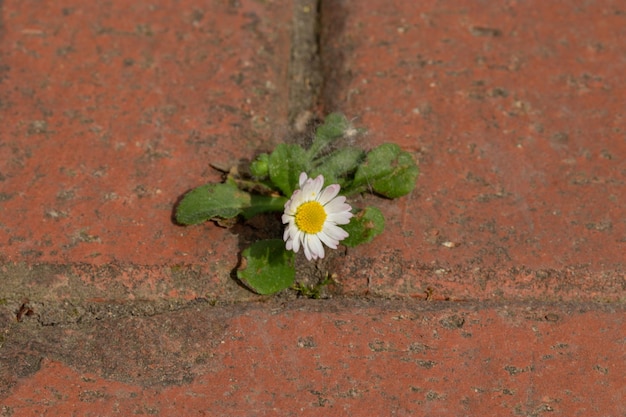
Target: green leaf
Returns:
[[335, 126], [211, 201], [267, 267], [363, 227], [259, 167], [336, 166], [263, 204], [285, 165], [388, 170]]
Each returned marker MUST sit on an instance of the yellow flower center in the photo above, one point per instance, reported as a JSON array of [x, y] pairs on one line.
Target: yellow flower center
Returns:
[[310, 217]]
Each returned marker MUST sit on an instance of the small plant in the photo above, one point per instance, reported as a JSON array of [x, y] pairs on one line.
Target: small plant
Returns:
[[304, 184], [313, 291]]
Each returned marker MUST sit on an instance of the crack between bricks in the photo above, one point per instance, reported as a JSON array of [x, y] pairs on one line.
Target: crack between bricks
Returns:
[[305, 66]]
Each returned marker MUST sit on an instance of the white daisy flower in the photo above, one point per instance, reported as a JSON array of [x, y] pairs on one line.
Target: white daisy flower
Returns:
[[312, 216]]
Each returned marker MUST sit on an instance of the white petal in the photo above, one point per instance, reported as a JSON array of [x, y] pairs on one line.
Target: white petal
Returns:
[[337, 204], [335, 232], [316, 246], [328, 241], [295, 233], [313, 246], [295, 243], [328, 194], [289, 210], [339, 218], [303, 178], [313, 187], [297, 198], [307, 250]]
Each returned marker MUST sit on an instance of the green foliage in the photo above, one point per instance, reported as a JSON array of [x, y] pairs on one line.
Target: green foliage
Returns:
[[285, 165], [365, 226], [267, 267], [263, 204], [314, 291], [210, 201], [337, 166], [259, 168], [334, 127], [223, 201], [388, 170]]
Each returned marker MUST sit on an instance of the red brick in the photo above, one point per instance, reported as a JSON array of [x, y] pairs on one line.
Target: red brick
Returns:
[[112, 110], [514, 111], [345, 359]]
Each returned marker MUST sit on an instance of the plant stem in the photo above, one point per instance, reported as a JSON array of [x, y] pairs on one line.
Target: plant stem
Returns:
[[264, 204]]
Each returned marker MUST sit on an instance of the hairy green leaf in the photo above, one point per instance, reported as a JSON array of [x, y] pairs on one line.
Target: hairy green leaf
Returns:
[[336, 166], [285, 165], [334, 127], [387, 170], [365, 226], [267, 267], [210, 201]]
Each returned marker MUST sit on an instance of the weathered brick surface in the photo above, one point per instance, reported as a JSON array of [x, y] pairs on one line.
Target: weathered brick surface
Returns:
[[337, 358], [515, 113], [515, 233], [112, 110]]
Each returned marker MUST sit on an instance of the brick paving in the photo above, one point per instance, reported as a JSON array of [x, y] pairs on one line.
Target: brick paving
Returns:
[[498, 287], [338, 358], [515, 113]]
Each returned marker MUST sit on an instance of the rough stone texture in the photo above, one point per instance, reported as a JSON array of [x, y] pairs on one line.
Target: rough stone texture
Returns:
[[515, 234], [340, 358], [515, 113], [112, 111], [115, 110]]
